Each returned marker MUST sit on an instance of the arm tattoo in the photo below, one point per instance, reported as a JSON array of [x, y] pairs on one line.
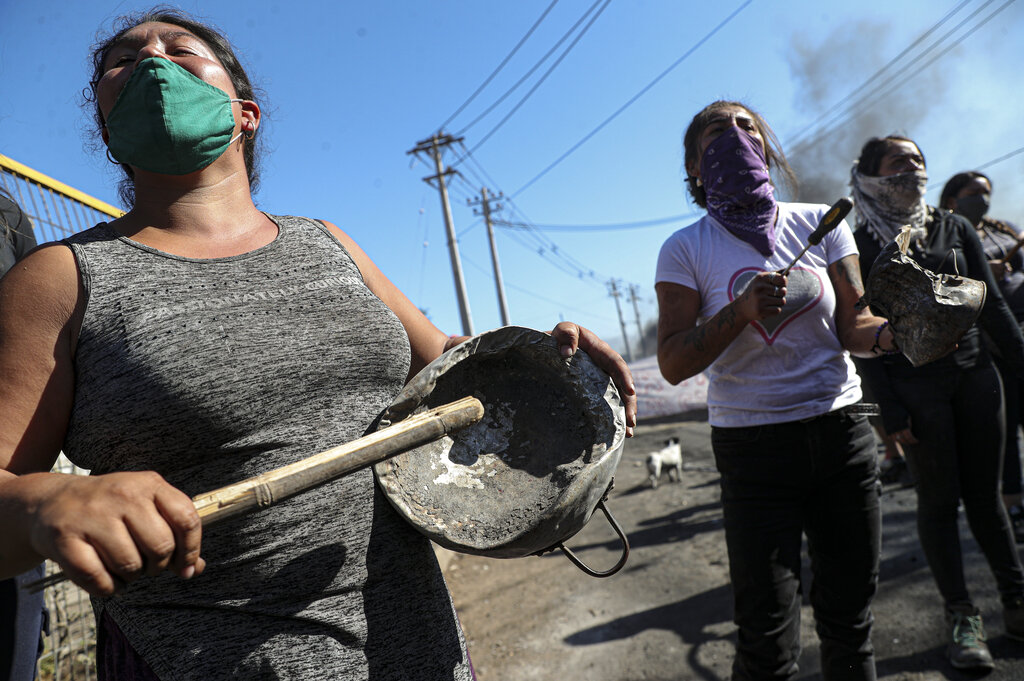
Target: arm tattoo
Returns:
[[696, 338], [727, 318], [851, 274]]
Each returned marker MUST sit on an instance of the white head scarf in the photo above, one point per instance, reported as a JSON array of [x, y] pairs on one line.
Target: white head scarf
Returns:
[[886, 204]]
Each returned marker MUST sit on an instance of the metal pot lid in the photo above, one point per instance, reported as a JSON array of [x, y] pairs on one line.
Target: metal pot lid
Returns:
[[531, 472]]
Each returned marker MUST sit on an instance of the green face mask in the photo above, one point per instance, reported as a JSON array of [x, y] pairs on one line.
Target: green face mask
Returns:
[[168, 121]]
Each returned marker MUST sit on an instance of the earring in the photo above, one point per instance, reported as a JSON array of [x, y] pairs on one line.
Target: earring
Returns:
[[111, 158], [699, 182], [250, 131]]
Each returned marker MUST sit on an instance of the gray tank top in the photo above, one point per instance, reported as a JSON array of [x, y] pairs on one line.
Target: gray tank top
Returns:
[[212, 371]]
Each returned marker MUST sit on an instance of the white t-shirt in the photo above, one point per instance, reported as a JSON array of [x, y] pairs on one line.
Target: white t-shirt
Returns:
[[784, 368]]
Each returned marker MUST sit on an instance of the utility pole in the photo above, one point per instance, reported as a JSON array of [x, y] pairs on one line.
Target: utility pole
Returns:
[[636, 313], [485, 205], [434, 145], [614, 292]]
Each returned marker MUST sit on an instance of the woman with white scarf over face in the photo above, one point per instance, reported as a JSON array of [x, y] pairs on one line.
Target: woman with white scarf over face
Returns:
[[947, 414]]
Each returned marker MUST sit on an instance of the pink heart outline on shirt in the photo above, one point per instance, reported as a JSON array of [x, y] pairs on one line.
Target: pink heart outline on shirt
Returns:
[[803, 291]]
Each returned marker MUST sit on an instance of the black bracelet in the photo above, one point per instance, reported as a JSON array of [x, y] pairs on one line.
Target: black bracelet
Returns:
[[878, 332]]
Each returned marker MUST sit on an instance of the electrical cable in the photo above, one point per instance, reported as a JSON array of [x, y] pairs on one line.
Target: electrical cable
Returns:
[[610, 227], [500, 66], [564, 264], [630, 101], [529, 73], [1000, 159], [589, 311], [799, 140], [540, 81], [988, 164], [479, 167], [872, 97]]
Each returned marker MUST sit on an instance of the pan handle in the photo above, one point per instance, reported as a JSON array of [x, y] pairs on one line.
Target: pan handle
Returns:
[[622, 537]]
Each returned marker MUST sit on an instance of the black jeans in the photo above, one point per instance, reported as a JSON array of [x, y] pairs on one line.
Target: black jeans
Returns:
[[780, 481], [957, 417], [1014, 404]]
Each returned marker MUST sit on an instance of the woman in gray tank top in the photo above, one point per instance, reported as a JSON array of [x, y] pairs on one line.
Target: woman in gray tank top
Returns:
[[195, 342]]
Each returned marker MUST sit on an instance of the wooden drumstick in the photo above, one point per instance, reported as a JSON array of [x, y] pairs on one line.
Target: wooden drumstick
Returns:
[[281, 483], [828, 222]]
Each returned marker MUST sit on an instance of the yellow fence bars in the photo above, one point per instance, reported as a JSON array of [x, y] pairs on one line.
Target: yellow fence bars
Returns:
[[56, 209]]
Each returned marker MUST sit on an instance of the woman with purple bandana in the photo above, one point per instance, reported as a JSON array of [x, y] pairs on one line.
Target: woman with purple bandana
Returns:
[[795, 451], [947, 414]]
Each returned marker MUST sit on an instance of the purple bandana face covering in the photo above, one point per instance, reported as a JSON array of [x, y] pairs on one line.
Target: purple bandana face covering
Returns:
[[734, 172]]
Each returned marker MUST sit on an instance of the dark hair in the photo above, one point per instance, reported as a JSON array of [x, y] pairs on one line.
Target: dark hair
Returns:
[[958, 182], [220, 46], [870, 159], [773, 150]]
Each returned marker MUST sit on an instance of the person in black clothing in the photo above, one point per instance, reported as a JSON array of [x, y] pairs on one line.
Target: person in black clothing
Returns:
[[16, 229], [947, 414], [21, 613], [969, 194]]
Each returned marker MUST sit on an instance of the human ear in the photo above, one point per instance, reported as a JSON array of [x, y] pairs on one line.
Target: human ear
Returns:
[[250, 115], [693, 169]]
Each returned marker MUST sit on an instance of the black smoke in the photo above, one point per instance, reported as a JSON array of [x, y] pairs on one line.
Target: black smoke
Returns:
[[827, 71]]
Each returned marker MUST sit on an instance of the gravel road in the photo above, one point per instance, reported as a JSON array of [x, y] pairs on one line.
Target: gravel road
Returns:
[[668, 613]]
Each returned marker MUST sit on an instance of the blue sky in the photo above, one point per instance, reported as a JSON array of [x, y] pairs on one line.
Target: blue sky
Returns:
[[351, 87]]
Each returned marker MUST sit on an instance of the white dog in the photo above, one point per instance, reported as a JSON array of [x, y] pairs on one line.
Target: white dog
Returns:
[[670, 458]]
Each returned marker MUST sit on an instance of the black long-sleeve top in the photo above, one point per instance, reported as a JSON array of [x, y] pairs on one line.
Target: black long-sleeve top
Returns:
[[951, 246], [16, 235]]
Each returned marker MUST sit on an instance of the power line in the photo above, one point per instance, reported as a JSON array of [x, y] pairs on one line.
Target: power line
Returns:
[[556, 251], [500, 66], [541, 80], [879, 72], [536, 66], [872, 97], [486, 179], [545, 247], [489, 181], [543, 251], [1001, 158], [609, 227], [630, 101], [987, 164], [588, 311]]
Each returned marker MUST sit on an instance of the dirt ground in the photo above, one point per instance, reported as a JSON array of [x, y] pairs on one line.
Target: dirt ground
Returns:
[[668, 613]]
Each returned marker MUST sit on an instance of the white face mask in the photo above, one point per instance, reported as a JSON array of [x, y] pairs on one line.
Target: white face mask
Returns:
[[900, 192], [887, 203]]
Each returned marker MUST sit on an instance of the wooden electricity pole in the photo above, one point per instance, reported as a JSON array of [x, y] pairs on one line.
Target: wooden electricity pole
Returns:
[[434, 145], [614, 292], [636, 313], [485, 209]]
